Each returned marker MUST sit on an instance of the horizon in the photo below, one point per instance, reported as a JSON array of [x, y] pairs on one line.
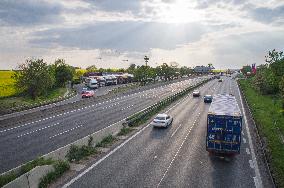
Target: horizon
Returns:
[[115, 34]]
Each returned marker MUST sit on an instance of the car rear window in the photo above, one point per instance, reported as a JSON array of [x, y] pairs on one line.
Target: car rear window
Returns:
[[160, 118]]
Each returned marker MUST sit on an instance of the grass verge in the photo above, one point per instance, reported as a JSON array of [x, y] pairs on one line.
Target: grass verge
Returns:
[[7, 103], [266, 111], [4, 179]]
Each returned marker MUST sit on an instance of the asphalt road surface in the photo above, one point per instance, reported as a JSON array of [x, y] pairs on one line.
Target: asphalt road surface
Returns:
[[27, 138], [176, 156]]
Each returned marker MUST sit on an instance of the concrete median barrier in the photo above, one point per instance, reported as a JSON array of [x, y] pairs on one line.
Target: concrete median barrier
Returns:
[[30, 179]]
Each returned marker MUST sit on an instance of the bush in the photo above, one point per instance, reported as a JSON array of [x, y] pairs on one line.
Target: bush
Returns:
[[124, 131], [4, 179], [106, 141], [77, 153], [60, 167]]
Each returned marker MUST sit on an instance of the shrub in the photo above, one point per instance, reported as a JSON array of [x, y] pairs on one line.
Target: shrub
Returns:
[[60, 167], [4, 179], [106, 141], [77, 153], [124, 131]]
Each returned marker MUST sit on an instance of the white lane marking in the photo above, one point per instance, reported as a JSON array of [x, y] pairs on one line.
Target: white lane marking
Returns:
[[174, 158], [257, 178], [66, 131], [175, 130], [244, 140], [251, 164], [102, 159], [36, 130], [247, 150]]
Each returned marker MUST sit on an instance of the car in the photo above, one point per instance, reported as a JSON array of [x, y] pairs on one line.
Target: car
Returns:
[[220, 80], [196, 93], [162, 120], [208, 98], [87, 93]]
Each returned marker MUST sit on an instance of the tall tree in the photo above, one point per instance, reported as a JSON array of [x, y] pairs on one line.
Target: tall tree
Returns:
[[34, 78], [131, 68], [63, 72]]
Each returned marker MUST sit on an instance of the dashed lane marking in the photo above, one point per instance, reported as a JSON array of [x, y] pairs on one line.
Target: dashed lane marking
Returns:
[[64, 132]]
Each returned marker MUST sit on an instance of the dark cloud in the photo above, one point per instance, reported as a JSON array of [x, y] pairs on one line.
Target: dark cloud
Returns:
[[267, 15], [29, 12], [123, 36]]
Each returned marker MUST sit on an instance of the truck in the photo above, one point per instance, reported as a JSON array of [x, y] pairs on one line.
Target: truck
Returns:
[[224, 126]]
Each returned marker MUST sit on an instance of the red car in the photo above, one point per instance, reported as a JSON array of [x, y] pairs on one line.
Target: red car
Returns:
[[88, 94]]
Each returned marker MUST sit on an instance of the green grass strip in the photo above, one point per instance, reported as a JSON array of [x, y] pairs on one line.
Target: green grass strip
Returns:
[[269, 119]]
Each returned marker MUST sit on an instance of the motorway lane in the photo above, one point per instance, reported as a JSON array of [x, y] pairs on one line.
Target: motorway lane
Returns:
[[26, 142], [142, 162], [174, 157]]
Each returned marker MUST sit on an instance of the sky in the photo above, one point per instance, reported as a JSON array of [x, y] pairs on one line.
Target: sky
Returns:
[[117, 33]]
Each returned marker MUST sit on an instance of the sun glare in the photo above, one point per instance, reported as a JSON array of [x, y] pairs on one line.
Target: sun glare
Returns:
[[178, 12]]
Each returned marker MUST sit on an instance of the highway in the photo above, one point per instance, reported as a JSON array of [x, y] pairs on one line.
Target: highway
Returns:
[[176, 156], [32, 135]]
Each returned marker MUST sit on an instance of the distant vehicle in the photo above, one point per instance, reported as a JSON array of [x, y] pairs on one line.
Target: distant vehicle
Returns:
[[208, 98], [92, 83], [220, 80], [110, 80], [224, 126], [162, 120], [101, 81], [196, 93], [87, 93], [217, 77]]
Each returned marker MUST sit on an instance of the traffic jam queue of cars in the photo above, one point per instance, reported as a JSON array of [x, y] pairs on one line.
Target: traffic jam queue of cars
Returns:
[[95, 80]]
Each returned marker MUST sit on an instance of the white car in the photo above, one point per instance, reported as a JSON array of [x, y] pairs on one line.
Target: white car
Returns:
[[162, 120], [196, 93]]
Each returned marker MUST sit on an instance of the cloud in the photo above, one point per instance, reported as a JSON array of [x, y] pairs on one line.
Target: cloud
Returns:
[[114, 5], [122, 36], [29, 12], [267, 15]]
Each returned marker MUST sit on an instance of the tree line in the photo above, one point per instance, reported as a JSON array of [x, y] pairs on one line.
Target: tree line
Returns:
[[166, 72], [35, 77], [269, 77]]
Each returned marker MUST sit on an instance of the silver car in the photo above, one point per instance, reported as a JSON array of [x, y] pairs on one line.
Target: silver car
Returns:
[[162, 120]]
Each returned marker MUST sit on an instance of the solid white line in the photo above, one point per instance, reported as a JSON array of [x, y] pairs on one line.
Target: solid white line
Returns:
[[247, 150], [258, 181], [102, 159], [175, 130]]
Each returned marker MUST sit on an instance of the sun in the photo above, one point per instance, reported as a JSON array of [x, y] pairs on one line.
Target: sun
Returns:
[[178, 12]]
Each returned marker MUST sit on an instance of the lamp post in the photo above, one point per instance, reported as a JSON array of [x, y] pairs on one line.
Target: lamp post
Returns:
[[146, 60]]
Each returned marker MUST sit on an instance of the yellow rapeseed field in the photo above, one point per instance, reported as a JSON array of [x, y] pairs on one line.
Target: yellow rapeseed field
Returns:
[[6, 84]]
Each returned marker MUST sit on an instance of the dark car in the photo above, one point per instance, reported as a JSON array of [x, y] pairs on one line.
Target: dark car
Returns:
[[220, 80], [208, 98]]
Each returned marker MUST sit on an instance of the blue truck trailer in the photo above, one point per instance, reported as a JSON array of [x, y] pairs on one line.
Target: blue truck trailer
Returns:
[[224, 126]]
